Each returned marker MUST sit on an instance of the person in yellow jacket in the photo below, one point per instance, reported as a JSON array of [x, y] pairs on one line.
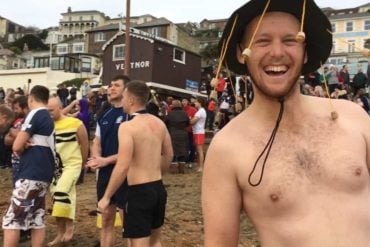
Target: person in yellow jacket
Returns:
[[72, 145]]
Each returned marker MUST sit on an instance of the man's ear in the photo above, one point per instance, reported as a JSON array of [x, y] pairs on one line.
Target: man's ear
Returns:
[[305, 56], [239, 52], [131, 100]]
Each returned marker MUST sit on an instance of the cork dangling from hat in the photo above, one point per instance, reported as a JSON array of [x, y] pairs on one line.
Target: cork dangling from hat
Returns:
[[247, 51], [333, 114], [301, 36]]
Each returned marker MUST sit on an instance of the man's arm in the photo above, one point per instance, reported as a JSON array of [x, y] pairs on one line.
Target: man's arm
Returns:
[[119, 173], [167, 152], [366, 123], [10, 137], [221, 198], [66, 110], [97, 161], [20, 142], [83, 140], [194, 120]]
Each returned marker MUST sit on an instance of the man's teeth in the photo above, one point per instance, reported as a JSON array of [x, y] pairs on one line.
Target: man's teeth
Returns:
[[276, 69]]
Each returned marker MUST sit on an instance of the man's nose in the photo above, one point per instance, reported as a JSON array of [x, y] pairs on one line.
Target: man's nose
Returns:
[[277, 48]]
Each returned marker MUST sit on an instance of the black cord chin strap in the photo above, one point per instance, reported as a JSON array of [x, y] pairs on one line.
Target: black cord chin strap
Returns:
[[267, 147]]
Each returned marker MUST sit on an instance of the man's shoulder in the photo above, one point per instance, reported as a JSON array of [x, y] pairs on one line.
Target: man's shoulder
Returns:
[[39, 113], [113, 113], [240, 129]]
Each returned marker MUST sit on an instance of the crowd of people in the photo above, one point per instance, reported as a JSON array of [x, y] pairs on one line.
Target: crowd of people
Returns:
[[27, 132], [340, 85]]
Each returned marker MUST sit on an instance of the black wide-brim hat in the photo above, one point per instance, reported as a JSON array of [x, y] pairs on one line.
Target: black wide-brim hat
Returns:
[[316, 26]]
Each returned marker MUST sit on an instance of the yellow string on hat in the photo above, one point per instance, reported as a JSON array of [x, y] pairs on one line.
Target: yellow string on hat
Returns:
[[224, 49], [220, 59], [334, 114], [231, 83], [366, 52], [301, 36], [223, 52], [247, 52]]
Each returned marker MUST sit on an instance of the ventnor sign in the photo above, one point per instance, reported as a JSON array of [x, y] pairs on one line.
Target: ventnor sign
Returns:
[[134, 65]]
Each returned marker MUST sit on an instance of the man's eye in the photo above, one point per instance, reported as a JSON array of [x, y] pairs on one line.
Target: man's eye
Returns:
[[261, 41], [290, 41]]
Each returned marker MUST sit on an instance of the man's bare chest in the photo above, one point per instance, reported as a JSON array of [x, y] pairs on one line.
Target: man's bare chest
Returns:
[[309, 162]]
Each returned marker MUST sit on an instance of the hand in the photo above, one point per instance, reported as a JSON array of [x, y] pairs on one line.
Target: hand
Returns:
[[96, 162], [28, 144], [103, 205]]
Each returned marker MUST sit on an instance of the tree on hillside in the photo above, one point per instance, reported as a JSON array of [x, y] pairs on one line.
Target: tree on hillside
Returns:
[[33, 43], [16, 50], [210, 52], [43, 34]]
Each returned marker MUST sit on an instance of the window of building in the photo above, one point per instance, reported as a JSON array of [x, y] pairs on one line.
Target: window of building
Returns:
[[367, 25], [154, 31], [337, 60], [118, 52], [333, 47], [349, 26], [70, 18], [333, 27], [62, 49], [78, 47], [61, 63], [92, 17], [85, 64], [99, 37], [41, 62], [55, 63], [364, 43], [351, 45], [178, 55], [81, 18]]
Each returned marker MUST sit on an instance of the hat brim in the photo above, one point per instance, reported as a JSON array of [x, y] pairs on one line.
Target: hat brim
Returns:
[[318, 39]]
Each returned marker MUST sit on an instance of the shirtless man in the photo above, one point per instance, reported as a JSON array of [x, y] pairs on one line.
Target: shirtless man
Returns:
[[311, 193], [145, 150]]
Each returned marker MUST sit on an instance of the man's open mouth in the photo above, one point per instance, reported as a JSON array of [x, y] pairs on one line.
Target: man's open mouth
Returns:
[[276, 70]]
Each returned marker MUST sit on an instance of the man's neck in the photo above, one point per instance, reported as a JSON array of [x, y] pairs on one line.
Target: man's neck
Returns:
[[36, 105], [61, 117], [268, 107], [116, 104], [136, 108]]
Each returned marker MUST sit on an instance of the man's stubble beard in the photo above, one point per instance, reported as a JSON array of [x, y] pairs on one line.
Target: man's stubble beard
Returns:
[[269, 94]]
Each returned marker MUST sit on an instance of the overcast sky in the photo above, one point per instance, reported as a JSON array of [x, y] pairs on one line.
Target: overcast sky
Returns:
[[46, 13]]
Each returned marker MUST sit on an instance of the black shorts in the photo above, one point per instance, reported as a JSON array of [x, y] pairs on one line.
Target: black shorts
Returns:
[[145, 209], [119, 198]]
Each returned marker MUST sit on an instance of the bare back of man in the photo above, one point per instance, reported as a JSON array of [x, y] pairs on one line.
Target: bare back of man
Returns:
[[316, 185], [148, 134], [146, 140]]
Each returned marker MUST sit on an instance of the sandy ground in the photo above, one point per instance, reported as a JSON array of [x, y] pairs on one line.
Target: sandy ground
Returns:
[[183, 222]]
